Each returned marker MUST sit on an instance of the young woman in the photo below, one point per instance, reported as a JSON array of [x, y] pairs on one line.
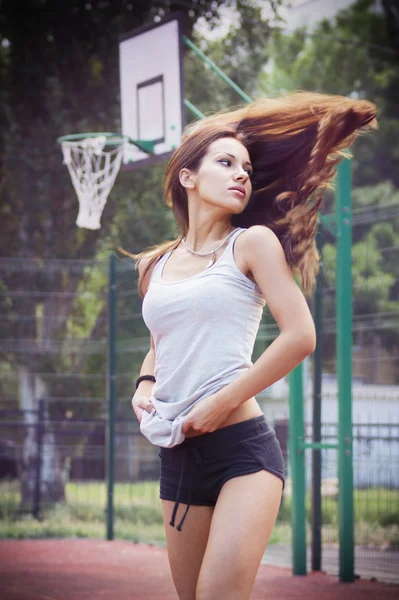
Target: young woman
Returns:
[[245, 188]]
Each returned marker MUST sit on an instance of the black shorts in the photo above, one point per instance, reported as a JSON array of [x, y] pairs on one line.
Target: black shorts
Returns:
[[194, 472]]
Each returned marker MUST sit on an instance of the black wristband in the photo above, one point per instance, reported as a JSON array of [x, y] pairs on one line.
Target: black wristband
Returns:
[[143, 378]]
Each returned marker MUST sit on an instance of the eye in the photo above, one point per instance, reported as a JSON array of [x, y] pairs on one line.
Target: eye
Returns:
[[228, 164]]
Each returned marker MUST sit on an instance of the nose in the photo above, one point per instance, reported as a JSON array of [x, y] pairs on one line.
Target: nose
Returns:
[[241, 175]]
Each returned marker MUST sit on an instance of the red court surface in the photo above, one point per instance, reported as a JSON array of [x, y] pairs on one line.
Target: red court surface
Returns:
[[97, 569]]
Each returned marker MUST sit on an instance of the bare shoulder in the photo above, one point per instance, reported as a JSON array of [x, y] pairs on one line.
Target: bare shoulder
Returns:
[[260, 233], [257, 244]]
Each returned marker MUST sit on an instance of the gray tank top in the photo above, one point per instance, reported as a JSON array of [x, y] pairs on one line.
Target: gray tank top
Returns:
[[204, 329]]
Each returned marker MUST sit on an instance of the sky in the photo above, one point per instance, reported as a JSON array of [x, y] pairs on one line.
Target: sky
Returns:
[[297, 14]]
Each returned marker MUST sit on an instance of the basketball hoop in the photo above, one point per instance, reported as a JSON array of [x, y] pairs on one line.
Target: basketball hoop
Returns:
[[93, 161]]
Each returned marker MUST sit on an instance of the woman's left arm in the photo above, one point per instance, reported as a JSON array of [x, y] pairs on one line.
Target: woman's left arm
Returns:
[[297, 338]]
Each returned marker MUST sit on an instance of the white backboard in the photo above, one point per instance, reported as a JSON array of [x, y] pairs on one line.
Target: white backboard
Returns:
[[151, 85]]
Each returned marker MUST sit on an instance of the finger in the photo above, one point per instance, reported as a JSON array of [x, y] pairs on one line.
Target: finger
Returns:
[[147, 406], [143, 402], [186, 426]]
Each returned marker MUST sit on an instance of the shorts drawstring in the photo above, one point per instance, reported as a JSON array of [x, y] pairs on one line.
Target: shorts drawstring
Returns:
[[194, 471], [197, 459]]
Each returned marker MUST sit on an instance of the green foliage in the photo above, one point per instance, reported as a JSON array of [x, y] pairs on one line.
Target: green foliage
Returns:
[[72, 81], [138, 515], [60, 74], [241, 55], [352, 55], [375, 267], [88, 304], [355, 55], [53, 83]]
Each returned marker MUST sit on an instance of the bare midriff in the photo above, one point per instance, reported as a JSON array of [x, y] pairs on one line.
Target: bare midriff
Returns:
[[247, 410]]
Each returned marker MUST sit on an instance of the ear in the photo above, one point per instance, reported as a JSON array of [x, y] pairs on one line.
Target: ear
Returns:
[[186, 179]]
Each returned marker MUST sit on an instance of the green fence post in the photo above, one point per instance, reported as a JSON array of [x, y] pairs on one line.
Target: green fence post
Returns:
[[297, 463], [111, 396], [317, 402], [344, 370]]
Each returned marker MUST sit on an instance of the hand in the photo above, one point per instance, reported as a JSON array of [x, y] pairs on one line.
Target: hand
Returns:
[[141, 404], [207, 415]]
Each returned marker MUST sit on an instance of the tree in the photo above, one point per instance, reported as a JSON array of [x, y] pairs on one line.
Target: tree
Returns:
[[352, 56], [241, 55], [59, 73], [356, 55]]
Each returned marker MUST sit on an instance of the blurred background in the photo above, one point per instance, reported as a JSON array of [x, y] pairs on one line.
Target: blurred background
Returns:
[[59, 74]]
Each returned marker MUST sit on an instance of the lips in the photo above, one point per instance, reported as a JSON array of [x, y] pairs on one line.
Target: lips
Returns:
[[240, 189]]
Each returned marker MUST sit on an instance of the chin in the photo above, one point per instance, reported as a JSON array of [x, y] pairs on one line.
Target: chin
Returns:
[[240, 209]]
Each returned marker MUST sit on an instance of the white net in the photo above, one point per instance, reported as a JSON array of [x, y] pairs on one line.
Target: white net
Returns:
[[93, 164]]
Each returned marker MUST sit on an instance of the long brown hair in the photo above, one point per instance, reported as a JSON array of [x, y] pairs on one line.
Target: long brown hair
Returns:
[[295, 143]]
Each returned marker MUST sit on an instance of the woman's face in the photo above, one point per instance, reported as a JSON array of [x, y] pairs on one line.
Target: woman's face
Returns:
[[224, 176]]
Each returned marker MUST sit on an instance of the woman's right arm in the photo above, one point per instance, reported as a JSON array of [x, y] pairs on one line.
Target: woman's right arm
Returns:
[[141, 398]]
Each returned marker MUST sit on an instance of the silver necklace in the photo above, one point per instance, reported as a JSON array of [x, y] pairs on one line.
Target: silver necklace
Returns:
[[213, 252]]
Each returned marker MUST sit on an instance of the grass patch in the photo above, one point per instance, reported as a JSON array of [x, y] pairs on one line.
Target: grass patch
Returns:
[[138, 515]]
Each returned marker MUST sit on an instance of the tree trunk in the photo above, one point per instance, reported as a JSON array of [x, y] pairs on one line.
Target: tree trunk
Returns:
[[32, 388]]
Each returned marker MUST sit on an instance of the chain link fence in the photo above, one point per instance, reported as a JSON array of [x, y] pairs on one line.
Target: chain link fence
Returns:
[[54, 429]]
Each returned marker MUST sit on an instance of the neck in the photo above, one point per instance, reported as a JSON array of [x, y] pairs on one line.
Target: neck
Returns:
[[203, 239]]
